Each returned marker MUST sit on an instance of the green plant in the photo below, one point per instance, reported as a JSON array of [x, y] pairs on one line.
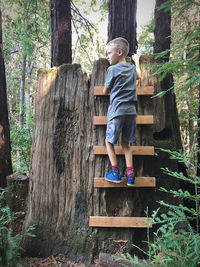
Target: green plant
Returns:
[[176, 242], [145, 39], [21, 141], [9, 244]]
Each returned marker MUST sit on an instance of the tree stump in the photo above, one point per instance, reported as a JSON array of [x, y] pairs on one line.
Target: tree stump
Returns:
[[63, 166], [17, 185]]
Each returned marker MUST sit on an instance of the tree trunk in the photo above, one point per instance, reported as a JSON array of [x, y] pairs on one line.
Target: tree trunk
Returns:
[[5, 156], [17, 185], [22, 89], [61, 33], [171, 126], [198, 138], [29, 74], [162, 30], [60, 191], [122, 21], [63, 166]]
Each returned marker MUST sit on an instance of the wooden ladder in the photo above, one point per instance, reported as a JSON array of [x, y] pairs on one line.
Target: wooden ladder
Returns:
[[100, 182]]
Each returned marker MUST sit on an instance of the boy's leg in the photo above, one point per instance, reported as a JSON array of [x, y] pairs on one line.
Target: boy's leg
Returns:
[[128, 136], [130, 173], [111, 153], [114, 175], [112, 135], [128, 153]]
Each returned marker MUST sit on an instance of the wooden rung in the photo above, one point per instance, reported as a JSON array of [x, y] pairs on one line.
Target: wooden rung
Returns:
[[139, 182], [128, 222], [137, 150], [141, 119], [141, 90]]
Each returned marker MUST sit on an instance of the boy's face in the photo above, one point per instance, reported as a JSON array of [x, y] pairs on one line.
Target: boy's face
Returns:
[[113, 55]]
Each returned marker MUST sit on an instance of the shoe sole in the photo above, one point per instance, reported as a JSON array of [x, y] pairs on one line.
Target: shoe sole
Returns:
[[116, 182], [130, 184]]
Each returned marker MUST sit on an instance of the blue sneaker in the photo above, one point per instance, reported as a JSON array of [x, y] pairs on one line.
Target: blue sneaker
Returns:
[[130, 177], [113, 176]]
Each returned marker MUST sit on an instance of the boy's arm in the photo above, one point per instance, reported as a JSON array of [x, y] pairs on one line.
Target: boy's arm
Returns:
[[106, 90], [136, 59]]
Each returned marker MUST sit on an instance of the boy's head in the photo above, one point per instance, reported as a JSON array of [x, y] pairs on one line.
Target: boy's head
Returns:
[[117, 50]]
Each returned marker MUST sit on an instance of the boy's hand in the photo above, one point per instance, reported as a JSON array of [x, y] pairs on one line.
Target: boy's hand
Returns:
[[106, 90], [136, 58]]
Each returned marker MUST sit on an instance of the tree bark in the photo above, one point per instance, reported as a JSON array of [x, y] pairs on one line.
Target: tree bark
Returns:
[[63, 166], [162, 30], [29, 74], [61, 33], [198, 133], [122, 21], [60, 189], [22, 91], [5, 154], [17, 185], [198, 139]]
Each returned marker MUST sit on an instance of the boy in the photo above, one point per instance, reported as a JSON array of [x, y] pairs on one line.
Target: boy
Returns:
[[121, 83]]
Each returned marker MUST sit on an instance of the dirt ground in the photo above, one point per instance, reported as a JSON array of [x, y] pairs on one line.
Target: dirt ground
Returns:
[[59, 260], [52, 261]]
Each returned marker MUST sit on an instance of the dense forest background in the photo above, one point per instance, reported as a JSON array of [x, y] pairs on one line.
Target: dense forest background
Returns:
[[27, 48], [26, 38]]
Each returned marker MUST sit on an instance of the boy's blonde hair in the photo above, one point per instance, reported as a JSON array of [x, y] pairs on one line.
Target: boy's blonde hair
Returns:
[[120, 43]]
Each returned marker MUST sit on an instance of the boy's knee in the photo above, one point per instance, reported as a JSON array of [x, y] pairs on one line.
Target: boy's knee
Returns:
[[108, 143], [125, 144]]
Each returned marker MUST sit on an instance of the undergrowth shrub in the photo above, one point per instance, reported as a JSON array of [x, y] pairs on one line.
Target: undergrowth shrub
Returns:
[[176, 242], [9, 244]]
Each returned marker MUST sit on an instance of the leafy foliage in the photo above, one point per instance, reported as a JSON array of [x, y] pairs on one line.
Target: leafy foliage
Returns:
[[87, 19], [184, 64], [25, 32], [21, 141], [25, 29], [9, 244], [176, 242], [145, 39]]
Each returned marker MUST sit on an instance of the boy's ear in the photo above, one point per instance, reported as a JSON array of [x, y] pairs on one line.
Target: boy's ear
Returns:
[[120, 52]]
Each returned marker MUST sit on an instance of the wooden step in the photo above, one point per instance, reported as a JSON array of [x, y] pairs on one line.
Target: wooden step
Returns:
[[100, 182], [124, 222], [141, 119], [137, 150], [141, 90]]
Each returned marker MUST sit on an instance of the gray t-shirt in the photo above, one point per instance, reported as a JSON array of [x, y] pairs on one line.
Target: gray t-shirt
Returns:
[[121, 81]]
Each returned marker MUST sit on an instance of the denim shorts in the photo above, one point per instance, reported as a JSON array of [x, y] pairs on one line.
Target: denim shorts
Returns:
[[124, 125]]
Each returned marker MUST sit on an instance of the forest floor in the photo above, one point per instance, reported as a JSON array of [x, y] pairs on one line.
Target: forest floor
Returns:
[[59, 260], [53, 261]]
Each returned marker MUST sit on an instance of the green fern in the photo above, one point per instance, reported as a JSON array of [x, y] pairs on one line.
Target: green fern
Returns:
[[9, 244]]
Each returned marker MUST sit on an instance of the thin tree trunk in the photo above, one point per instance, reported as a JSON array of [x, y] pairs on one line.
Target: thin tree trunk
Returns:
[[61, 33], [198, 139], [5, 148], [29, 74], [22, 90]]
